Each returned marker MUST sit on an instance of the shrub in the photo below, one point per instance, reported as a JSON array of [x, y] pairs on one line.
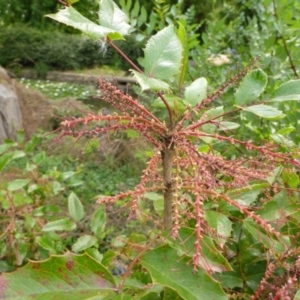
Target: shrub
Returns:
[[27, 47]]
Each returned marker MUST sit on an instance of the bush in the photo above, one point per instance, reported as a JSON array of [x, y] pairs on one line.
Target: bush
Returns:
[[28, 47]]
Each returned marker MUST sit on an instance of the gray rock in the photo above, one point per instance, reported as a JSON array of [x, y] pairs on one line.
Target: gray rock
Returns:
[[10, 112]]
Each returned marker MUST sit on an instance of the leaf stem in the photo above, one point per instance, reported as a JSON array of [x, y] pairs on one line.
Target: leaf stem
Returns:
[[109, 41]]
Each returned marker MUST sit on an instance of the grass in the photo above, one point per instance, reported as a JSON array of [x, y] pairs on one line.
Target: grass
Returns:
[[58, 90]]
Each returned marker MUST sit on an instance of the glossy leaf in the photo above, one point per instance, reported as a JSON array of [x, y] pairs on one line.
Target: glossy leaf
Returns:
[[75, 207], [163, 54], [76, 277], [265, 111], [168, 269], [71, 17], [252, 86], [196, 91], [59, 225], [84, 242], [147, 83], [287, 91], [110, 16]]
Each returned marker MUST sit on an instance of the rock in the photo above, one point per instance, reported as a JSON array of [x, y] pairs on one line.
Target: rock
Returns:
[[10, 112]]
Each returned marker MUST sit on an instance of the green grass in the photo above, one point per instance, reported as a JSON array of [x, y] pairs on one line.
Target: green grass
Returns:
[[58, 90]]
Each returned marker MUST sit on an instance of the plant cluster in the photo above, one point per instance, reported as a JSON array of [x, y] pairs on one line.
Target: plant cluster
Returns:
[[223, 209]]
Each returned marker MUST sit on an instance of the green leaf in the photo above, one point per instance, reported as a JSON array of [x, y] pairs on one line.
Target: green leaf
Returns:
[[8, 157], [38, 158], [31, 144], [252, 86], [47, 243], [282, 140], [147, 83], [158, 201], [17, 184], [297, 296], [211, 258], [98, 221], [291, 178], [169, 270], [196, 92], [183, 70], [60, 225], [110, 16], [119, 241], [270, 211], [76, 277], [265, 111], [287, 91], [163, 54], [225, 125], [260, 236], [5, 147], [220, 223], [286, 130], [84, 242], [71, 17], [176, 103], [272, 177], [75, 207]]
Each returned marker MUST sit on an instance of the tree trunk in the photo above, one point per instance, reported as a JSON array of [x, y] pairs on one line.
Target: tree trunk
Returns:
[[167, 157]]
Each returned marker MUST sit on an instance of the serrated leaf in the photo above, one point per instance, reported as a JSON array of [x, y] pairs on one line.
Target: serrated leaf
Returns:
[[287, 91], [71, 17], [196, 92], [265, 111], [98, 221], [163, 54], [110, 16], [60, 225], [224, 125], [84, 242], [251, 87], [147, 83], [17, 184], [69, 276], [75, 207], [163, 263], [47, 243]]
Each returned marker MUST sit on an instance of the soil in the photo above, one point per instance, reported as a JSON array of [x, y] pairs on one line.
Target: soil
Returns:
[[38, 112]]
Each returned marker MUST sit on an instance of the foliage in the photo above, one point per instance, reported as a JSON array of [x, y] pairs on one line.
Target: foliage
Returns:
[[35, 189], [229, 203], [23, 46]]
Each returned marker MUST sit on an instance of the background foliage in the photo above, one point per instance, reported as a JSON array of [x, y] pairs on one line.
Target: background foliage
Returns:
[[47, 198]]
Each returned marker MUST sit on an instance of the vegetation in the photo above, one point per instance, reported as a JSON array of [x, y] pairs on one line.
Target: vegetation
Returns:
[[216, 211]]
